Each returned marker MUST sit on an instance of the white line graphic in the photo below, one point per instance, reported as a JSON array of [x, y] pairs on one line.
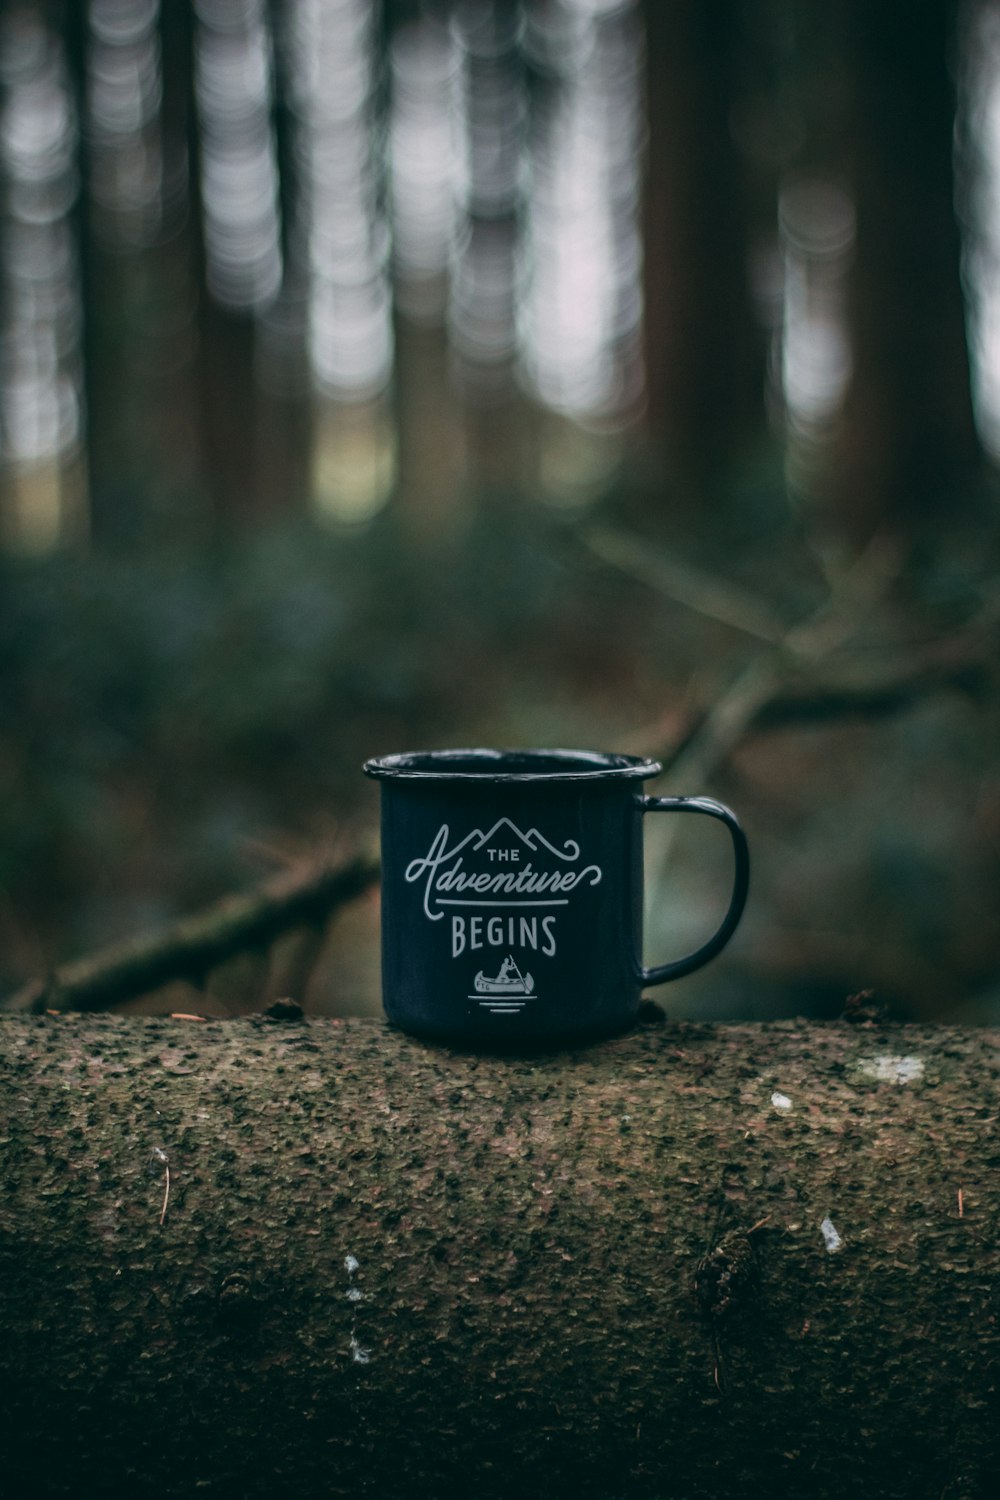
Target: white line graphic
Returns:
[[502, 881], [442, 902]]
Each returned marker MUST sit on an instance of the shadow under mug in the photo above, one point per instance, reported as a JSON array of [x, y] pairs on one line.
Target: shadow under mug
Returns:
[[512, 892]]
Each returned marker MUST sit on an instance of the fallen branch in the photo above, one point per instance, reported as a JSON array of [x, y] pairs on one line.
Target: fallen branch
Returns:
[[782, 684], [872, 694], [762, 699], [790, 651], [196, 944], [790, 678], [705, 593]]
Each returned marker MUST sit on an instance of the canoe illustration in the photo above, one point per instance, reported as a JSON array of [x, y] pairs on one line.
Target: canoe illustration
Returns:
[[509, 981]]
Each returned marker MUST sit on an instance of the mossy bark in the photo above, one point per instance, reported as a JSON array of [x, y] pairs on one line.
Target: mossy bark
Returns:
[[690, 1261]]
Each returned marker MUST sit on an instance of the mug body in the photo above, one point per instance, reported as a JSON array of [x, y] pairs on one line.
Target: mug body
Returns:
[[511, 893]]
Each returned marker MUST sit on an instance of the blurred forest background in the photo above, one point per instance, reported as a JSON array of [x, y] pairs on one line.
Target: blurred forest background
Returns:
[[566, 372]]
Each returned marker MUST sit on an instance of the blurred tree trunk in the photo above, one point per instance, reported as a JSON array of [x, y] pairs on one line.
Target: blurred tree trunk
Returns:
[[736, 1261], [704, 348], [227, 400], [907, 447], [223, 378], [138, 294]]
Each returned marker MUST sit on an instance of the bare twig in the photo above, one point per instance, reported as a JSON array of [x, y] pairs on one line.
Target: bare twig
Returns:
[[706, 593], [788, 680], [192, 947], [766, 679], [759, 701]]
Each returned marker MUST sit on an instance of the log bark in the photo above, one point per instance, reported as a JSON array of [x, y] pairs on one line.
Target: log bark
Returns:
[[692, 1261]]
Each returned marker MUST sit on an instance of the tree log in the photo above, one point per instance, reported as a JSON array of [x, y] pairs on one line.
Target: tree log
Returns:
[[320, 1258]]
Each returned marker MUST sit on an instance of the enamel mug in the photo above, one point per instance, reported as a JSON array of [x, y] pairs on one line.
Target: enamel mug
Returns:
[[512, 892]]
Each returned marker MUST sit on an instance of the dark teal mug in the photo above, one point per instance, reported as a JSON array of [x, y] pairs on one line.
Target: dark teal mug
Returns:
[[512, 892]]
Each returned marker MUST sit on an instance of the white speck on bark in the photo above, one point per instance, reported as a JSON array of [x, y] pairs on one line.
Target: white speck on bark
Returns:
[[831, 1238], [781, 1102], [360, 1355], [889, 1068]]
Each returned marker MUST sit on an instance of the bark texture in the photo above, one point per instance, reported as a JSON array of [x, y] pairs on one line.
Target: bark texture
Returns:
[[693, 1261]]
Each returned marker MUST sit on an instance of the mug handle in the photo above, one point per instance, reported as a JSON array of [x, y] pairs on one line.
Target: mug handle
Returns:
[[741, 881]]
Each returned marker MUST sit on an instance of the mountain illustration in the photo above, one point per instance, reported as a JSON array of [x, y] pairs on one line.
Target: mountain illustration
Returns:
[[531, 840]]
